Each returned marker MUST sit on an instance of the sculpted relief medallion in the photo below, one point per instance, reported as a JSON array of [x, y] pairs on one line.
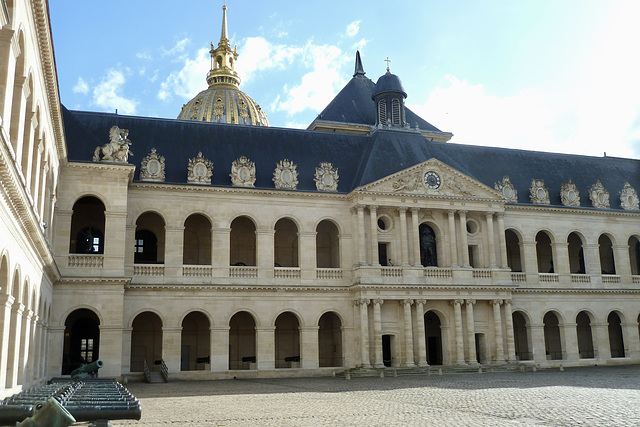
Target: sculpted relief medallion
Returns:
[[539, 194], [629, 198], [243, 172], [569, 194], [152, 167], [599, 196], [200, 170], [507, 189], [326, 177], [285, 176]]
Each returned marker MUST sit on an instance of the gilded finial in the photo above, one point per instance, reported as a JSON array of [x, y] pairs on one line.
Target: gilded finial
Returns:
[[387, 61]]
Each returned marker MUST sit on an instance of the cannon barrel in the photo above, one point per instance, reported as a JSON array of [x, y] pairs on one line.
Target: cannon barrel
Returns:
[[87, 370]]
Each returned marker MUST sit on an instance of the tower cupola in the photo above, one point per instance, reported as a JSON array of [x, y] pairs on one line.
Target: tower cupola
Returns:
[[388, 96]]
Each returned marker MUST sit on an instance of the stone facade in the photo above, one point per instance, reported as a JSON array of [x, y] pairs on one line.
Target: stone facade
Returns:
[[427, 265]]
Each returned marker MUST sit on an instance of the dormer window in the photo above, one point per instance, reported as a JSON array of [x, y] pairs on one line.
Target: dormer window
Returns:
[[382, 112], [395, 111]]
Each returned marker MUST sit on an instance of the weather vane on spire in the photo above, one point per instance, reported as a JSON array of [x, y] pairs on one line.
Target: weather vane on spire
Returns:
[[387, 61]]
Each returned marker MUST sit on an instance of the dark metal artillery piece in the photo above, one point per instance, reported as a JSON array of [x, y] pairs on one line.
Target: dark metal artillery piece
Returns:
[[68, 401], [89, 370]]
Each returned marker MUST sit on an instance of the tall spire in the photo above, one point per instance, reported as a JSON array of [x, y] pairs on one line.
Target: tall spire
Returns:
[[359, 72], [223, 34]]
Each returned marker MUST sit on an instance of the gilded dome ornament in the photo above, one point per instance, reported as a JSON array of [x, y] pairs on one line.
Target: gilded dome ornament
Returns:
[[539, 194], [326, 177], [285, 176], [200, 170], [243, 172], [152, 167], [223, 101], [569, 194], [507, 189], [629, 198], [599, 196]]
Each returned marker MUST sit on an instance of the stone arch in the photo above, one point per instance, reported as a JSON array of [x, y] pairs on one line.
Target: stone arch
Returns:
[[330, 345], [150, 238], [544, 251], [615, 321], [287, 340], [575, 247], [195, 341], [552, 335], [513, 240], [15, 322], [605, 249], [28, 140], [584, 332], [243, 242], [196, 248], [5, 283], [242, 340], [522, 335], [286, 243], [88, 225], [433, 337], [634, 254], [327, 244], [81, 339], [146, 340], [332, 220], [20, 79]]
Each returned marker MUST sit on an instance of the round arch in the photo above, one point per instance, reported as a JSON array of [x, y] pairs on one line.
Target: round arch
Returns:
[[288, 310], [146, 340], [252, 313], [81, 339], [71, 202], [201, 213], [522, 334], [330, 339], [584, 319], [65, 314], [195, 338], [332, 221], [444, 321], [145, 310], [329, 310], [198, 310], [242, 340], [149, 211], [246, 215], [289, 217], [5, 276]]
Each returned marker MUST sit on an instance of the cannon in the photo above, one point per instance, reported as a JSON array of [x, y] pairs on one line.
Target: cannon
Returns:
[[49, 414], [89, 370]]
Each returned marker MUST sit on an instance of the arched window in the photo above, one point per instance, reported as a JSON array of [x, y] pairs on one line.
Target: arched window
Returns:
[[607, 263], [287, 338], [382, 112], [81, 343], [149, 239], [576, 254], [87, 226], [552, 339], [327, 245], [634, 255], [514, 260], [243, 242], [146, 341], [195, 349], [428, 252], [330, 340], [197, 241], [544, 253], [286, 243], [242, 341], [395, 111], [616, 340], [585, 337]]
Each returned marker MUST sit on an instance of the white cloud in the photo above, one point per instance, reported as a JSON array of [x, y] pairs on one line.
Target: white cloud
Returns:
[[144, 55], [107, 93], [530, 120], [81, 87], [359, 45], [353, 28], [178, 48], [258, 54], [188, 81], [317, 87]]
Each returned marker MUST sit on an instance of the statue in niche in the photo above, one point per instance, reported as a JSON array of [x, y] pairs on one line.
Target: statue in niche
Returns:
[[428, 254]]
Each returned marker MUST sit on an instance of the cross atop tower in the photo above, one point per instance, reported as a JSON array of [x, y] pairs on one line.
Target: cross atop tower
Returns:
[[387, 61]]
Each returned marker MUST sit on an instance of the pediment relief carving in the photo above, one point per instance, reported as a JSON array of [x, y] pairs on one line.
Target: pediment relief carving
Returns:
[[507, 189], [152, 167], [538, 192], [433, 178], [599, 196], [629, 198], [569, 194], [243, 172], [200, 170]]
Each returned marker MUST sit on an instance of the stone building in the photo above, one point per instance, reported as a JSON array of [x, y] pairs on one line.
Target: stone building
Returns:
[[225, 247]]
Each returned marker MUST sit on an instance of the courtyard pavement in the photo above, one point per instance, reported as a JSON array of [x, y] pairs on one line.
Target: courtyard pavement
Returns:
[[597, 396]]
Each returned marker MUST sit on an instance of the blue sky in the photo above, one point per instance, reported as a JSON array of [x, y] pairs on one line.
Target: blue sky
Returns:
[[543, 75]]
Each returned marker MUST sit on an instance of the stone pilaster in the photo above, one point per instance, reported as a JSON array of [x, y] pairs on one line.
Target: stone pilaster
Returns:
[[219, 348], [471, 332], [364, 332], [464, 244], [504, 263], [309, 347], [408, 333], [421, 337], [497, 326], [373, 241], [508, 321], [457, 313], [404, 248], [265, 338], [171, 347], [377, 334], [491, 240], [453, 251]]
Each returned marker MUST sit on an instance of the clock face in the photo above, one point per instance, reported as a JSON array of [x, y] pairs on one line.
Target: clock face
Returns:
[[432, 180]]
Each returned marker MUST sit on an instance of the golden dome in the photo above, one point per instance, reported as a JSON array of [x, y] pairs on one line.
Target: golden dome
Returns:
[[222, 101]]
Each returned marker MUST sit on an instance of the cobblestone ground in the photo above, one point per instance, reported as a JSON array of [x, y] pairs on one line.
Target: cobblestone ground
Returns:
[[599, 396]]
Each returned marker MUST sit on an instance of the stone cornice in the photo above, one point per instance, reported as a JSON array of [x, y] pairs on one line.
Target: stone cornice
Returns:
[[45, 47], [360, 192], [81, 281], [570, 210], [243, 288], [449, 288], [575, 291]]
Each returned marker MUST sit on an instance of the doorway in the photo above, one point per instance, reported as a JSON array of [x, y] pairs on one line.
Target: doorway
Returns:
[[387, 353]]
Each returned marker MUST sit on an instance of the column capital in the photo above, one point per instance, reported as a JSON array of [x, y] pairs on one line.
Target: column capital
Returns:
[[378, 301], [489, 215], [451, 212], [500, 215], [18, 308], [421, 301], [362, 301], [402, 210], [470, 301], [507, 302], [463, 212], [496, 302], [415, 210], [456, 302], [407, 301], [373, 208]]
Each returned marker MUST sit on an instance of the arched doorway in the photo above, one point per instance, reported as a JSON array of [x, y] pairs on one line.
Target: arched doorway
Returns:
[[287, 341], [146, 341], [585, 337], [428, 250], [576, 254], [521, 336], [330, 340], [195, 349], [552, 340], [544, 253], [616, 341], [87, 226], [242, 341], [243, 242], [514, 260], [433, 338], [197, 240], [81, 339], [327, 245]]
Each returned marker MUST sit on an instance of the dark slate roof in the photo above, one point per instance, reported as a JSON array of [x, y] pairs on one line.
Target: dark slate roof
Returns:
[[360, 159], [353, 104], [389, 83]]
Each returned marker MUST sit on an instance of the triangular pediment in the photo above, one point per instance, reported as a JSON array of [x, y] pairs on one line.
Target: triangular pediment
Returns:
[[432, 178]]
